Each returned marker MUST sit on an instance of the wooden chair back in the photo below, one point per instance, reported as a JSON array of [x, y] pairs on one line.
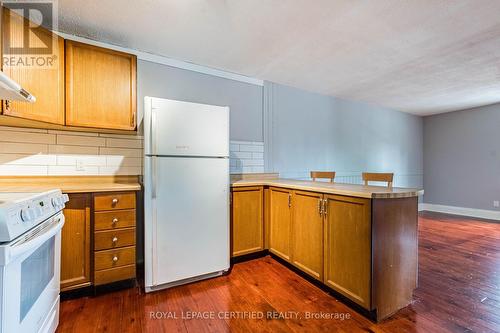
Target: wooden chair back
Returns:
[[378, 177], [323, 175]]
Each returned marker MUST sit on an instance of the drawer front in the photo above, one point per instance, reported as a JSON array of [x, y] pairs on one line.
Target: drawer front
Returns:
[[114, 258], [114, 274], [111, 239], [114, 201], [114, 220]]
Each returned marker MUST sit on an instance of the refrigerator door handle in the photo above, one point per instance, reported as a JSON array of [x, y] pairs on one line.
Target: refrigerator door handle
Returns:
[[154, 171], [154, 132]]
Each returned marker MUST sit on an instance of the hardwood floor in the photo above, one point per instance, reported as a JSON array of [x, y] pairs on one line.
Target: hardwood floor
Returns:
[[459, 291]]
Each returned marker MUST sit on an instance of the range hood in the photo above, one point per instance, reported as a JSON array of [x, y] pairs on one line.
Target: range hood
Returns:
[[12, 91]]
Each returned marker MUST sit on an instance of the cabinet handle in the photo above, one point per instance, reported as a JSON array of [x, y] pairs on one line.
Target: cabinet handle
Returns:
[[324, 206], [289, 200], [115, 221], [115, 258], [320, 207], [114, 240], [114, 201]]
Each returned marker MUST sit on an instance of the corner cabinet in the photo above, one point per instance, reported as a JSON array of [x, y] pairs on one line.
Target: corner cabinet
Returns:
[[100, 87], [44, 79]]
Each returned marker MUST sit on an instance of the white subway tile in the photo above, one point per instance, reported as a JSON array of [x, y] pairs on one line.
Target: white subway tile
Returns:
[[116, 160], [20, 159], [234, 147], [23, 148], [73, 150], [123, 143], [77, 140], [121, 151], [251, 162], [22, 129], [233, 162], [257, 143], [258, 156], [63, 170], [236, 142], [23, 170], [239, 154], [73, 133], [259, 169], [120, 170], [122, 136], [86, 160], [252, 148], [27, 137], [247, 169]]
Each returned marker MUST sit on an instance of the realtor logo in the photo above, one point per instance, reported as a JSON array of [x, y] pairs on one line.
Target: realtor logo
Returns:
[[28, 41]]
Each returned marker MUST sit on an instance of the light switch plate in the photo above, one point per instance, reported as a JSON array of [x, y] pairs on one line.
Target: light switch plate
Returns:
[[496, 203], [79, 165]]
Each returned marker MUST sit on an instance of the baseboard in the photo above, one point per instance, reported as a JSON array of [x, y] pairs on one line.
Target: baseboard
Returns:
[[463, 211]]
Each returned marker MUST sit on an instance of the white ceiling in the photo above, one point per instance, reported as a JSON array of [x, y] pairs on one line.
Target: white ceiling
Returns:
[[417, 56]]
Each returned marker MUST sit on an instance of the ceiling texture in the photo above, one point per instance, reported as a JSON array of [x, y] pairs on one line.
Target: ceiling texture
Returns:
[[417, 56]]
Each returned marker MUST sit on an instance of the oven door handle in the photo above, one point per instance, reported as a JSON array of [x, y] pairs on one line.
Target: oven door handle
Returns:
[[39, 238]]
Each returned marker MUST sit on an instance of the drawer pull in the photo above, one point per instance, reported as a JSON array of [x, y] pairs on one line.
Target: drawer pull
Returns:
[[114, 240], [115, 259], [115, 221], [114, 201]]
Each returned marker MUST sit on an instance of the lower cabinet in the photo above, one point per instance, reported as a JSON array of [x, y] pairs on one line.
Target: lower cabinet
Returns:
[[75, 243], [307, 233], [348, 247], [247, 220], [326, 236], [98, 241], [280, 204]]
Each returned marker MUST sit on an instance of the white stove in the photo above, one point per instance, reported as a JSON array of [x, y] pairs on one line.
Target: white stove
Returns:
[[30, 257]]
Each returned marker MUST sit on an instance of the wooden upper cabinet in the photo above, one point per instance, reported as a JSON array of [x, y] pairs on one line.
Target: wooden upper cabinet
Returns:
[[75, 243], [307, 233], [247, 220], [37, 64], [100, 87], [348, 247], [280, 222]]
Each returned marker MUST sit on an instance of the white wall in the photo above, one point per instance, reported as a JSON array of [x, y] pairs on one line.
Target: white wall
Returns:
[[308, 131]]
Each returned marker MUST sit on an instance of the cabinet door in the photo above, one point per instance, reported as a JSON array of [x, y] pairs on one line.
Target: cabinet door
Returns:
[[307, 233], [75, 243], [100, 87], [280, 222], [348, 247], [247, 223], [41, 74]]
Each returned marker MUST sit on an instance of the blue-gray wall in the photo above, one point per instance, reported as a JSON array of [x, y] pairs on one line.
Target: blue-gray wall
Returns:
[[462, 158], [309, 131], [244, 99]]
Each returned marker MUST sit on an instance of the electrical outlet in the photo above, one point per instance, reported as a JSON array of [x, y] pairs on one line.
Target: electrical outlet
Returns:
[[496, 203], [79, 165]]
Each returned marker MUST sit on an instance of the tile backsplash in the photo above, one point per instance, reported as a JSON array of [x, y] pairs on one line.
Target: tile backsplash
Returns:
[[25, 151], [246, 156], [38, 152]]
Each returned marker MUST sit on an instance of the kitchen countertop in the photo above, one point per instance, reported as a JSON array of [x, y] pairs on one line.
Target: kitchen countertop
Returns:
[[353, 190], [70, 184]]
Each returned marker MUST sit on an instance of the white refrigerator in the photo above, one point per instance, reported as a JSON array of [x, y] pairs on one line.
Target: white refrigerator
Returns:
[[186, 192]]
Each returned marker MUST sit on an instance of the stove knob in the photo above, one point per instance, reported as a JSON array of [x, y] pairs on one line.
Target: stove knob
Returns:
[[28, 214]]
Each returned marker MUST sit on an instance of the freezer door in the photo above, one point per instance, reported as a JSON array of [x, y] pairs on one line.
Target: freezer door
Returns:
[[187, 218], [186, 129]]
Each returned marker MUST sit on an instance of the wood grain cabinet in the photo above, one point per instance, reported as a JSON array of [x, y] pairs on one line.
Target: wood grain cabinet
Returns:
[[40, 72], [247, 220], [280, 214], [307, 233], [75, 243], [348, 247], [100, 87], [114, 237]]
